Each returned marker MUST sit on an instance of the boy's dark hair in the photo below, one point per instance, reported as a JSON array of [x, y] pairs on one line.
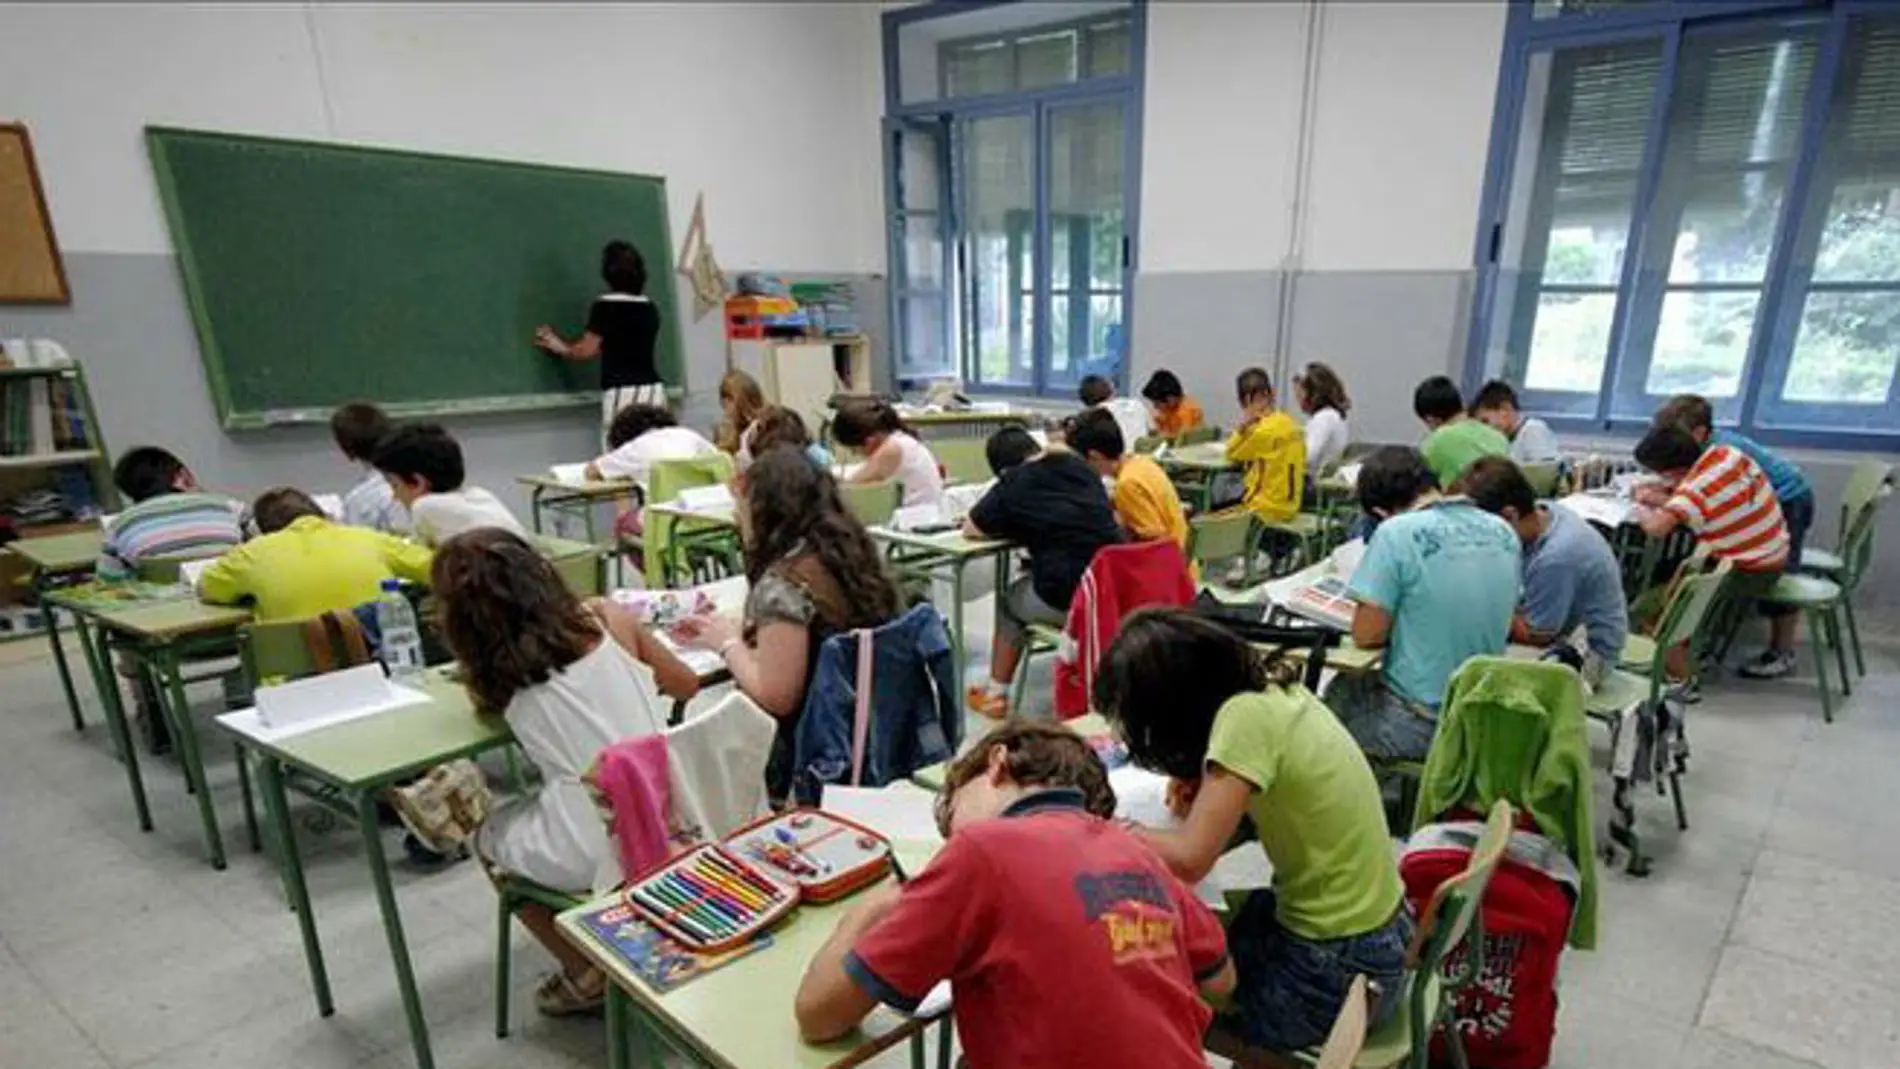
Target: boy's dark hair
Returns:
[[1094, 389], [1095, 431], [1668, 447], [1323, 388], [358, 427], [1252, 383], [1009, 448], [635, 420], [425, 451], [280, 506], [623, 268], [1163, 386], [1392, 477], [1494, 394], [857, 421], [1689, 410], [147, 472], [1040, 755], [1438, 398], [1495, 484], [1165, 677]]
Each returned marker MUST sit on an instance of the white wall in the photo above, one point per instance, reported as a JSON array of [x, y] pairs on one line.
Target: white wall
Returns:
[[770, 109]]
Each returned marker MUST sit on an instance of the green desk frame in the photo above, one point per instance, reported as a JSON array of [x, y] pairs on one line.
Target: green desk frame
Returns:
[[60, 560], [551, 495], [949, 554]]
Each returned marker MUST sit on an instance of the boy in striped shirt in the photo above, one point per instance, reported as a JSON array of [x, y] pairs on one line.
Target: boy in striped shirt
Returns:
[[169, 517], [1727, 500]]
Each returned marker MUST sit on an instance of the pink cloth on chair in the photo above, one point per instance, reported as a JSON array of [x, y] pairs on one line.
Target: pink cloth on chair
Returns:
[[634, 775]]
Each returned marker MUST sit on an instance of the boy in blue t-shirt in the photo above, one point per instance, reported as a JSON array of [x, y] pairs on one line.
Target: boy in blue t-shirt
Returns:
[[1793, 492], [1571, 578], [1438, 584]]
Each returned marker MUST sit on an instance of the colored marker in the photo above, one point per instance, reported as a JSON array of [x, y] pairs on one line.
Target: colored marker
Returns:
[[744, 874], [685, 904], [679, 889], [681, 912], [745, 895], [716, 899], [672, 915]]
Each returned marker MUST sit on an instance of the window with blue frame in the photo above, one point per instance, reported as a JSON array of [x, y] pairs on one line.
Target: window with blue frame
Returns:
[[1697, 197], [1012, 153]]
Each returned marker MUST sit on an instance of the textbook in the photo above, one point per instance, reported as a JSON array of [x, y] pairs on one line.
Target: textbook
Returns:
[[659, 959], [1325, 600]]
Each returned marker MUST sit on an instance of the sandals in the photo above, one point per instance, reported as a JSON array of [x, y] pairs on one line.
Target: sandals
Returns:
[[561, 995], [986, 704]]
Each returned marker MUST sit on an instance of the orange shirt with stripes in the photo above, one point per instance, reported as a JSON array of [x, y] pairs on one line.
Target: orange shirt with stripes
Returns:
[[1727, 500]]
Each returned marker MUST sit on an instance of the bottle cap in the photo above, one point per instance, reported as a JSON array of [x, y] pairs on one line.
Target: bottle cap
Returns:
[[392, 586]]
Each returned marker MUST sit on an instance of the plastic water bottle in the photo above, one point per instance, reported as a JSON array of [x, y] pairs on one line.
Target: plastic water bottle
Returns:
[[401, 642]]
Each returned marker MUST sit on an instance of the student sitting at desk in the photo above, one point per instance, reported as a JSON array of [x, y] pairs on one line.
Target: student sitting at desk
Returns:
[[424, 467], [1323, 398], [1453, 439], [1722, 495], [776, 427], [1242, 739], [1271, 449], [623, 329], [1172, 409], [1097, 392], [1145, 502], [740, 402], [642, 435], [891, 451], [169, 515], [814, 572], [1793, 493], [304, 564], [359, 427], [1438, 583], [571, 680], [1066, 940], [1571, 578], [1532, 440], [1053, 505]]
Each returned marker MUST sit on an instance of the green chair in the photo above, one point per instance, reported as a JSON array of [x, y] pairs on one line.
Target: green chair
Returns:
[[1147, 444], [1206, 432], [582, 566], [1543, 479], [871, 503], [169, 569], [963, 460], [1219, 537], [1819, 602], [1867, 490], [511, 893], [671, 547], [1309, 530], [1434, 970]]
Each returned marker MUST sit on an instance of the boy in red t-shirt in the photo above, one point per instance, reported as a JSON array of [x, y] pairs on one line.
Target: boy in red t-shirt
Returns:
[[1067, 942]]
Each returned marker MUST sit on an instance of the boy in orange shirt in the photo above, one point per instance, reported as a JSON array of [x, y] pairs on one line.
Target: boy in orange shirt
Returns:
[[1174, 410], [1145, 502]]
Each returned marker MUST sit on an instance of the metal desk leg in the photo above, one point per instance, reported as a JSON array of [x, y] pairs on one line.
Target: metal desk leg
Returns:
[[290, 865], [534, 507], [946, 1029], [99, 659], [959, 650], [618, 1020], [59, 654], [366, 823], [188, 750]]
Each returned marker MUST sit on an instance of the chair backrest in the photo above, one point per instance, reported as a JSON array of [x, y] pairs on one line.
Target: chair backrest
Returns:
[[578, 563], [1864, 485], [1857, 545], [1206, 432], [871, 503], [1452, 912], [1220, 536], [1695, 593], [284, 650], [1289, 640], [963, 460], [1147, 444], [1542, 477], [166, 570], [1348, 1036], [666, 481]]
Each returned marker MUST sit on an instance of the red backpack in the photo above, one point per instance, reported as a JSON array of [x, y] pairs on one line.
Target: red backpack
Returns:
[[1507, 1015]]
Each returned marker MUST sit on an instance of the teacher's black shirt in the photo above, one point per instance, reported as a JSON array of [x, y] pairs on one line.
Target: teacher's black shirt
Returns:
[[628, 328]]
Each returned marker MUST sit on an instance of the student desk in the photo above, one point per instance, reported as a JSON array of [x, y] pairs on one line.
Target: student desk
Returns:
[[691, 528], [947, 553], [739, 1016], [1200, 462], [937, 426], [1618, 519], [58, 560], [360, 759], [1344, 657], [547, 493], [1088, 725]]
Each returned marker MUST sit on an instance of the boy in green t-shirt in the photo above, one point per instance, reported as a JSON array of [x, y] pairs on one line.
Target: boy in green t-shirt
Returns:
[[1453, 439], [1240, 738]]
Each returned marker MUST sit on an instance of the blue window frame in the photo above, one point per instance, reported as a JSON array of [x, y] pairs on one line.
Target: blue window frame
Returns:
[[1012, 183], [1697, 197]]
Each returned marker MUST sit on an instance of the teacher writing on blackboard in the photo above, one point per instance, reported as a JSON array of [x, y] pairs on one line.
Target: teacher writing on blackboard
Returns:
[[622, 327]]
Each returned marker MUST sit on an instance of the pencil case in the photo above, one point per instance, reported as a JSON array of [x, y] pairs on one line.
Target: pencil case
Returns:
[[827, 857], [711, 899]]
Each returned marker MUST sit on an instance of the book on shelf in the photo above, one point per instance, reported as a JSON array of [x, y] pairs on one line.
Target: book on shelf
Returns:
[[41, 414]]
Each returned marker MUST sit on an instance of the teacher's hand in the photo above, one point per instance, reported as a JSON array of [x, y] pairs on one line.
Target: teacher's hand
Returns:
[[545, 338]]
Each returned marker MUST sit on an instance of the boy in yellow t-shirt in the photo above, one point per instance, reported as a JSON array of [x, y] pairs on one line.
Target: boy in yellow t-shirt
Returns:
[[1145, 502], [1270, 447], [302, 564]]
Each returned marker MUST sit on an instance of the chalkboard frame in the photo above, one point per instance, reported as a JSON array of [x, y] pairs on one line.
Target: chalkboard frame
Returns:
[[235, 418]]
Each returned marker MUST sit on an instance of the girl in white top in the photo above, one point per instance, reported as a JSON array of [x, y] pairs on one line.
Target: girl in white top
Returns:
[[890, 451], [1323, 398], [571, 679], [642, 435]]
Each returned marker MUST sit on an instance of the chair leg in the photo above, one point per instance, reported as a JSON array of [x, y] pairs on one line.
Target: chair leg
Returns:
[[1019, 682], [244, 792], [1815, 631], [1840, 649], [1853, 635], [502, 964]]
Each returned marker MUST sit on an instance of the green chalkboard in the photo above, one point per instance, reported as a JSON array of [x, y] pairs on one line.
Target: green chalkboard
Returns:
[[318, 273]]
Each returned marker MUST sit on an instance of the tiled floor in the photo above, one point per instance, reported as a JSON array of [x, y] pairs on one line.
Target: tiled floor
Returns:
[[1763, 940]]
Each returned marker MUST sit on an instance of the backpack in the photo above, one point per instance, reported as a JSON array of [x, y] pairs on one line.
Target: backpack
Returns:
[[1506, 1015]]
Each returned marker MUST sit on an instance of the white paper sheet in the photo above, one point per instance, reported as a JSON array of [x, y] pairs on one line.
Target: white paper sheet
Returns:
[[571, 474], [292, 709], [1597, 508], [901, 812], [1142, 796], [190, 571], [707, 498], [331, 504]]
